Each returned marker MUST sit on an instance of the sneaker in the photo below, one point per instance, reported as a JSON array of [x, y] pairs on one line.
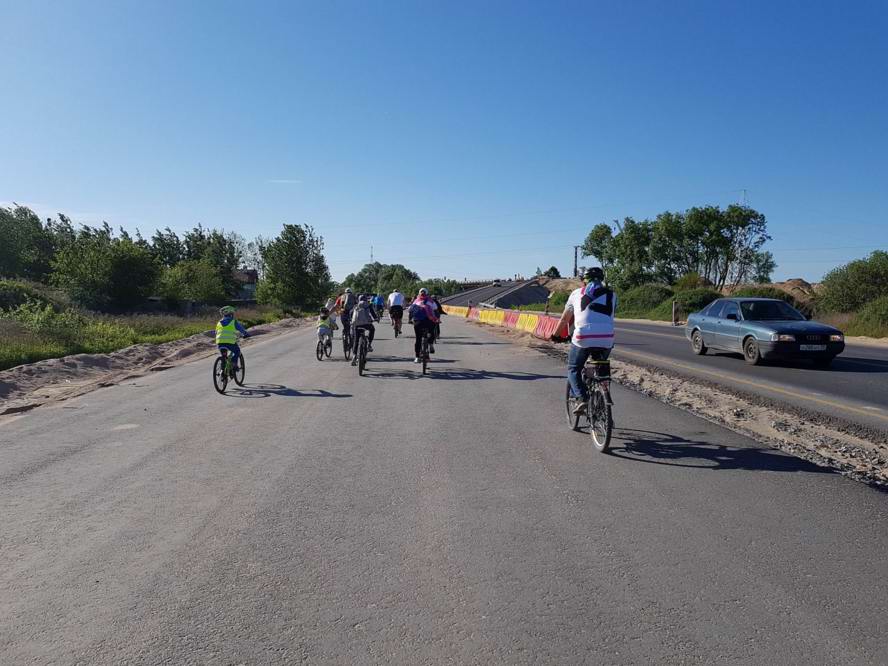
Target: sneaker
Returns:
[[581, 407], [354, 361], [417, 360], [369, 349], [431, 349]]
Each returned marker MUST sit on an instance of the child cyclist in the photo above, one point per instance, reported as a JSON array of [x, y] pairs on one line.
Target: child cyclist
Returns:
[[227, 329], [326, 326]]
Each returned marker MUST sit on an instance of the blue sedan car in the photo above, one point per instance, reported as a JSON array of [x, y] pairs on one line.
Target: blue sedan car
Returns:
[[762, 329]]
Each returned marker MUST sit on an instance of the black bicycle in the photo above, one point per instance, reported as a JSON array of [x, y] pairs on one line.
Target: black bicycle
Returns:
[[363, 347], [424, 350], [224, 370], [347, 342], [598, 416]]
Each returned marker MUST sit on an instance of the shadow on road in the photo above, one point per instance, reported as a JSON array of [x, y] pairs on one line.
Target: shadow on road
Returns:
[[401, 359], [461, 374], [449, 341], [664, 449], [268, 390], [850, 364]]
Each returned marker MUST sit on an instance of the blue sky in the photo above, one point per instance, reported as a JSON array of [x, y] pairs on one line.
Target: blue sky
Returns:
[[463, 139]]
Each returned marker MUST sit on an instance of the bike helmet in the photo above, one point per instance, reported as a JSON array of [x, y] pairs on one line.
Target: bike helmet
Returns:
[[325, 312], [348, 290], [423, 292], [595, 273], [226, 310]]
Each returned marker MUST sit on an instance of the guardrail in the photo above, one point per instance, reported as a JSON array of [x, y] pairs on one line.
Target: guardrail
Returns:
[[539, 325]]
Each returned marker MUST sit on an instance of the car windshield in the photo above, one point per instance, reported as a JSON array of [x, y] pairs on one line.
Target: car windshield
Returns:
[[770, 311]]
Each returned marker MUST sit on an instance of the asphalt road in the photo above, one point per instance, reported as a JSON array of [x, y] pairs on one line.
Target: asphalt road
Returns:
[[318, 516], [854, 388]]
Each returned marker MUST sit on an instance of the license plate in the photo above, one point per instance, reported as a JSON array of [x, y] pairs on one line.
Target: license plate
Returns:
[[812, 347]]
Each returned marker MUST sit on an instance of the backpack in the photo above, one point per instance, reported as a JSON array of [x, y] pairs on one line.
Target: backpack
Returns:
[[348, 302], [418, 313]]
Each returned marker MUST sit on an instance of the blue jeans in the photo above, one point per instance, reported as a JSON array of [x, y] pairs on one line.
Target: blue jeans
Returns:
[[576, 359], [234, 350]]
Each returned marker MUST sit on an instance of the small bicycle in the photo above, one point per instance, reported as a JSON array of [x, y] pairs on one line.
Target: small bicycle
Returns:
[[223, 370], [598, 415], [325, 347]]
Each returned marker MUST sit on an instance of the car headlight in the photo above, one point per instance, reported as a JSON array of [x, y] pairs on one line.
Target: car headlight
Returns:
[[837, 337], [782, 337]]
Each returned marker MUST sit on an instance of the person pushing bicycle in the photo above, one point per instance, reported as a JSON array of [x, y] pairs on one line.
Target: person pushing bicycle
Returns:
[[591, 308], [227, 330]]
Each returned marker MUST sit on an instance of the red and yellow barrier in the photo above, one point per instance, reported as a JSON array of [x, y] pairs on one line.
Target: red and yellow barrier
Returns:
[[540, 325]]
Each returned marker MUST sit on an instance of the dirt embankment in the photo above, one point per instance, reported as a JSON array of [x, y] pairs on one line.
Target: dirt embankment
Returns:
[[850, 450], [27, 386]]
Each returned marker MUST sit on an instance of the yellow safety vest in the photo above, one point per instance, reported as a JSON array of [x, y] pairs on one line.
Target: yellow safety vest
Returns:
[[226, 335]]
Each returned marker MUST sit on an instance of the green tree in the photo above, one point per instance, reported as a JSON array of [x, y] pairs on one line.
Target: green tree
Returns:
[[26, 246], [101, 271], [224, 251], [552, 272], [167, 247], [850, 287], [600, 245], [296, 273], [193, 281]]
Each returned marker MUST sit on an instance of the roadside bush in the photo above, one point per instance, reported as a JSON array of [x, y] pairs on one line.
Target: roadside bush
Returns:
[[558, 300], [872, 320], [638, 301], [687, 302], [850, 287], [13, 294], [691, 281]]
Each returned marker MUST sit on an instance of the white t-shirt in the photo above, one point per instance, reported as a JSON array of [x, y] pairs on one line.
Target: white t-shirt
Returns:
[[396, 298], [591, 329]]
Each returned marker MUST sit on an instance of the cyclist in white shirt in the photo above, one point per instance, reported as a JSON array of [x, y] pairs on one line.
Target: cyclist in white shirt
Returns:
[[396, 307], [591, 308]]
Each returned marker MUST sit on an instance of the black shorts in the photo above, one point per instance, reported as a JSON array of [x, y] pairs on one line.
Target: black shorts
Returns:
[[396, 311]]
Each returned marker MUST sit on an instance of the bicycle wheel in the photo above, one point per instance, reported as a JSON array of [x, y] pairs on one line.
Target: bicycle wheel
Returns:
[[328, 347], [425, 354], [241, 371], [601, 421], [220, 377], [362, 355], [319, 351], [347, 347], [573, 420]]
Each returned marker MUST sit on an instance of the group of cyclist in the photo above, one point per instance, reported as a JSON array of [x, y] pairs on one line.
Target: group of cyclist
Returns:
[[359, 312], [590, 310]]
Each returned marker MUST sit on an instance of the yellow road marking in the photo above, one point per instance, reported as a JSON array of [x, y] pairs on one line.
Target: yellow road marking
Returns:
[[765, 387]]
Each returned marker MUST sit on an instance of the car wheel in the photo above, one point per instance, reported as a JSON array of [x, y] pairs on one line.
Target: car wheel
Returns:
[[751, 353], [697, 343]]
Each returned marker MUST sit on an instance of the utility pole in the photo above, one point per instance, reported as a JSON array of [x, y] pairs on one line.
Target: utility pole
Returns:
[[745, 199], [371, 254], [576, 251]]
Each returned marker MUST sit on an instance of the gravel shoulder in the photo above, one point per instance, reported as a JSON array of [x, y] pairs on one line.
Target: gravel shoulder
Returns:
[[28, 386]]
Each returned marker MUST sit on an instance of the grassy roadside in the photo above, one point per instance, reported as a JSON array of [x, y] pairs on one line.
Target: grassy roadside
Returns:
[[36, 331]]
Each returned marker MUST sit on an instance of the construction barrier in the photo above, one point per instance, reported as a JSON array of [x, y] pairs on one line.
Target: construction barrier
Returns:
[[539, 325], [456, 310]]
